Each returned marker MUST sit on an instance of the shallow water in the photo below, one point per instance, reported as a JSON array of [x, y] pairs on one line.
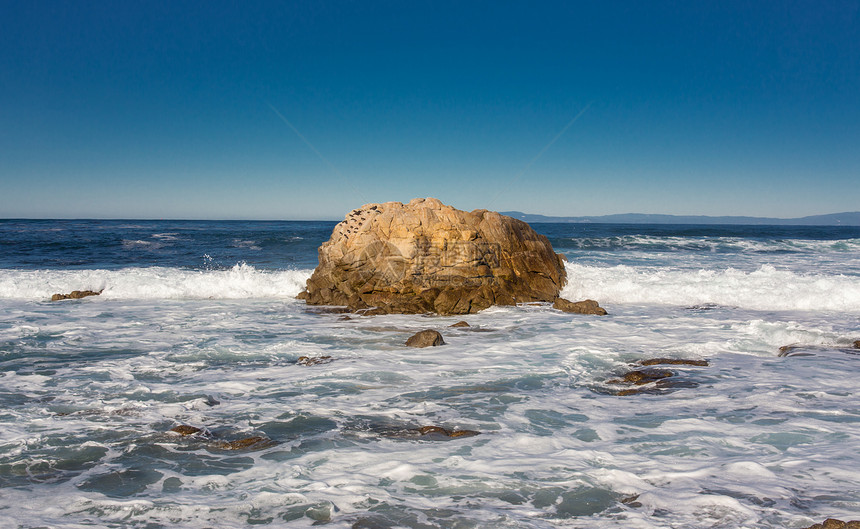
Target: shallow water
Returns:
[[90, 388]]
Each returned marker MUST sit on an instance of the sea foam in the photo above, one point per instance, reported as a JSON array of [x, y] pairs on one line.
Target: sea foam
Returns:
[[766, 288], [242, 281]]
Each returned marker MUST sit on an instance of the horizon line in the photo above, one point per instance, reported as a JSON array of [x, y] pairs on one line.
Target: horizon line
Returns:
[[248, 219]]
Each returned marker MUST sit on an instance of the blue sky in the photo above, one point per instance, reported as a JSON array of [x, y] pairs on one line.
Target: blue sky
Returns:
[[190, 109]]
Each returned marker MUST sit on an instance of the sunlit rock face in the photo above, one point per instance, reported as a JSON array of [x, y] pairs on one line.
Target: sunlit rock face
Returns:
[[425, 256]]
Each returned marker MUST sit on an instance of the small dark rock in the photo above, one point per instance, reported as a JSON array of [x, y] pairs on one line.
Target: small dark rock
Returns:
[[703, 307], [249, 443], [645, 376], [308, 361], [75, 294], [856, 344], [650, 381], [460, 324], [427, 338], [632, 501], [588, 306], [426, 430], [439, 431], [673, 362], [185, 430], [786, 349], [463, 433]]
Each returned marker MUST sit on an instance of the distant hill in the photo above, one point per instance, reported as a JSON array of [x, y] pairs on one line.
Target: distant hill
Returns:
[[833, 219]]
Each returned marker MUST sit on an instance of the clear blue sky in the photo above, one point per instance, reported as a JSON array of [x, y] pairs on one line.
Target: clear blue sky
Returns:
[[166, 109]]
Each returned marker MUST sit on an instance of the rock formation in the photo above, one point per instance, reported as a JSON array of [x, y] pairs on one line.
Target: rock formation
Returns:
[[428, 257], [428, 338], [832, 523]]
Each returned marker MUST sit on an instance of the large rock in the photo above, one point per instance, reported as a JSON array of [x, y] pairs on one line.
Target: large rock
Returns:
[[428, 257]]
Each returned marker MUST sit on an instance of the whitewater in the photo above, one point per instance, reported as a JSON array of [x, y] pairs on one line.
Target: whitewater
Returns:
[[197, 324]]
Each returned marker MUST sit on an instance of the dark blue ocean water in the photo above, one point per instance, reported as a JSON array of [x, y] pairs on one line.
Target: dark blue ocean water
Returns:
[[278, 245], [110, 244]]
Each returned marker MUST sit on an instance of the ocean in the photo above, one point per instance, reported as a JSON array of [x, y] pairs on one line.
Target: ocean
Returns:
[[197, 325]]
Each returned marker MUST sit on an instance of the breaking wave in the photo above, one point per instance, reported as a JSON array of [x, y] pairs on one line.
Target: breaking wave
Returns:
[[242, 281], [766, 288]]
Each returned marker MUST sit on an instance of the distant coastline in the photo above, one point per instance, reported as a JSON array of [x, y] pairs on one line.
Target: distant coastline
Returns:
[[833, 219]]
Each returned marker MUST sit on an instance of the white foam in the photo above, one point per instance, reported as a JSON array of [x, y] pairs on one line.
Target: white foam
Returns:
[[766, 288], [714, 244], [243, 281]]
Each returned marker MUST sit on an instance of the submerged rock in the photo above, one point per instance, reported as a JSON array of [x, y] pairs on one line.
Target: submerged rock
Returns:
[[673, 362], [204, 438], [632, 501], [425, 256], [588, 306], [643, 376], [655, 381], [460, 324], [438, 432], [790, 350], [815, 350], [186, 430], [427, 338], [249, 443], [426, 432], [308, 361], [856, 344], [75, 294]]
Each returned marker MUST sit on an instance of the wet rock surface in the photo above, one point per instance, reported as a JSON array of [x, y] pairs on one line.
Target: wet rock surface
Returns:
[[460, 324], [248, 443], [429, 432], [832, 523], [426, 257], [426, 338], [203, 436], [185, 430], [673, 362], [75, 294], [653, 380], [588, 306], [309, 361], [643, 376]]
